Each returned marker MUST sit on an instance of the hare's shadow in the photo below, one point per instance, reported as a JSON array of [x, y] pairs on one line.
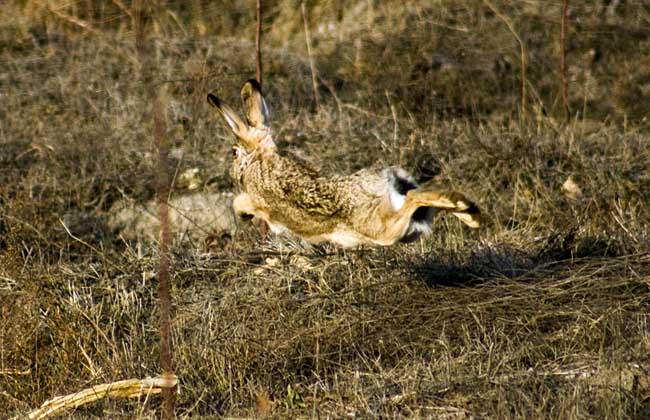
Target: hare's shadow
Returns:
[[494, 263], [480, 266]]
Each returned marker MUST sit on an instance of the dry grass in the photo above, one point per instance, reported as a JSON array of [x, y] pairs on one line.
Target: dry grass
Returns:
[[543, 313]]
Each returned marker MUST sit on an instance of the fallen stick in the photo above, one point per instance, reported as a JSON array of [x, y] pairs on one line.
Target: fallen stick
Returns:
[[130, 388], [27, 371]]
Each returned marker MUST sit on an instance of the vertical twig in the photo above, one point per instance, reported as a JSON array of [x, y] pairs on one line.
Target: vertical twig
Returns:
[[258, 43], [522, 54], [563, 67], [312, 67], [393, 112], [89, 10], [141, 19]]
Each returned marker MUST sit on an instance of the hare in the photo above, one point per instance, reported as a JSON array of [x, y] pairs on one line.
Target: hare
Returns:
[[369, 207]]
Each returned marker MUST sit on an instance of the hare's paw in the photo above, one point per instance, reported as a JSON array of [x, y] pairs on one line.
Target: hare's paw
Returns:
[[245, 217], [243, 206], [472, 220]]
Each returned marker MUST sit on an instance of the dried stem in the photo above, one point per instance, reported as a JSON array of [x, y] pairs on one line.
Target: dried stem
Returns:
[[163, 190], [312, 67], [71, 19], [123, 8], [563, 67], [393, 112]]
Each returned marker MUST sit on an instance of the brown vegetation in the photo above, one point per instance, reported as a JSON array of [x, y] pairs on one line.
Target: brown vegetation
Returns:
[[542, 313]]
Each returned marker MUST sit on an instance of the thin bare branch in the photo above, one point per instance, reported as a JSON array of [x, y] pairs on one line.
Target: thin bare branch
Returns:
[[162, 189], [522, 53]]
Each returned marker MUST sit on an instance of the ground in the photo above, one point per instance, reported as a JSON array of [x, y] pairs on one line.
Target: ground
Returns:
[[544, 312]]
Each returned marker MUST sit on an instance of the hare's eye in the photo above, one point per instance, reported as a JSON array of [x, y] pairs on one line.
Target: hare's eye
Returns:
[[235, 152]]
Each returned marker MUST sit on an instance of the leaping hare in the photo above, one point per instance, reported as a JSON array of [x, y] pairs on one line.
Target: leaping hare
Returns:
[[371, 207]]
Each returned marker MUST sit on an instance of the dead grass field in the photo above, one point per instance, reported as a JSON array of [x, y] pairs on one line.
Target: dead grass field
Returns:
[[544, 313]]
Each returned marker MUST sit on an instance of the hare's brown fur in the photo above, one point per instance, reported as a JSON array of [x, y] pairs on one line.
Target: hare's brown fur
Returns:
[[378, 207]]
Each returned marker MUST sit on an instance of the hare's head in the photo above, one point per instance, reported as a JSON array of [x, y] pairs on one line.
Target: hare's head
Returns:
[[255, 139]]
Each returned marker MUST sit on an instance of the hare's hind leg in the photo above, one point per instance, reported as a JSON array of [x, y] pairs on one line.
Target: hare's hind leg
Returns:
[[452, 201]]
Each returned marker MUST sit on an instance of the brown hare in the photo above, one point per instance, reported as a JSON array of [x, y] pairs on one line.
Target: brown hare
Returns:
[[369, 207]]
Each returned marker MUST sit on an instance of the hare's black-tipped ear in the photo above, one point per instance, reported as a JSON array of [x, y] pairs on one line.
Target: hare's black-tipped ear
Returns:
[[234, 122], [213, 100], [257, 113]]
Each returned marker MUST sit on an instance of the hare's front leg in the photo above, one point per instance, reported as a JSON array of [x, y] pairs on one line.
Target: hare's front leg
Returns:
[[243, 206], [246, 210]]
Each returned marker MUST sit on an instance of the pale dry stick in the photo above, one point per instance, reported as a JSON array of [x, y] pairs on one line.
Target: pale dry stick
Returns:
[[522, 54], [130, 388], [11, 372], [312, 67]]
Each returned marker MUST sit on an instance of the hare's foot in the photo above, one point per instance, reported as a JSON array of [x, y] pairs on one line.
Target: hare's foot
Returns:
[[453, 201]]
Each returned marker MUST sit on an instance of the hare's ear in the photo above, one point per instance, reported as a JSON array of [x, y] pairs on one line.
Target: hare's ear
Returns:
[[232, 119], [257, 113]]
